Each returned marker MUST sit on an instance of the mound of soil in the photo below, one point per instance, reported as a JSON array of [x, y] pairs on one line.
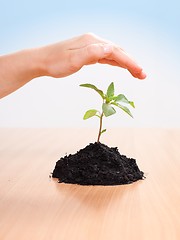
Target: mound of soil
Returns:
[[97, 164]]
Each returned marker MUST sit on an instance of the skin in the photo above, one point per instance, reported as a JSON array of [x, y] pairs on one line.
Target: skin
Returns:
[[60, 60]]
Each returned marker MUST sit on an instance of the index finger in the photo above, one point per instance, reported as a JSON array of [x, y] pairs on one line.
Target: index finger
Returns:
[[122, 59]]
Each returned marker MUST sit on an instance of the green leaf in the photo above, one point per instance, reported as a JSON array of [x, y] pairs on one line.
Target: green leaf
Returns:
[[90, 113], [104, 130], [132, 104], [87, 85], [122, 98], [125, 109], [108, 110], [110, 91]]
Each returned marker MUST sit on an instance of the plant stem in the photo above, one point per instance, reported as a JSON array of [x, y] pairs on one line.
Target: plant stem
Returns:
[[100, 127]]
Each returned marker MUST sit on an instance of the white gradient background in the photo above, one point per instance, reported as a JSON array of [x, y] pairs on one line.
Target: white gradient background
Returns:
[[147, 30]]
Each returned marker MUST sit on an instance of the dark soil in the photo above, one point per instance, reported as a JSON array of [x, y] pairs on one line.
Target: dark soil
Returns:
[[97, 164]]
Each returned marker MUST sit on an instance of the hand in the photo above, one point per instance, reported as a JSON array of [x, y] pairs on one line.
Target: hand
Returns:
[[60, 60], [65, 58]]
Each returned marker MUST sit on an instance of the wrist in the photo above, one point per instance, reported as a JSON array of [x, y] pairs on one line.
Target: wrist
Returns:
[[34, 60]]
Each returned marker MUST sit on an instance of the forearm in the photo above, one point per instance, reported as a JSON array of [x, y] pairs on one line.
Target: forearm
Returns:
[[19, 68]]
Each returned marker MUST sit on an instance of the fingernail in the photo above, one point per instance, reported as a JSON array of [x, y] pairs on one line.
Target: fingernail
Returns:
[[143, 75], [107, 48]]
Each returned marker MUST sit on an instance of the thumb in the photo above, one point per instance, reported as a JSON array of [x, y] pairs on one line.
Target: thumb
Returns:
[[90, 54]]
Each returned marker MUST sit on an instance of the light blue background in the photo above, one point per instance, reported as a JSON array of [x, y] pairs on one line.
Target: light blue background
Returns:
[[147, 30]]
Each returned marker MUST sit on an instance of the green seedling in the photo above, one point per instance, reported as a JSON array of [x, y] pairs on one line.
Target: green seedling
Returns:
[[109, 100]]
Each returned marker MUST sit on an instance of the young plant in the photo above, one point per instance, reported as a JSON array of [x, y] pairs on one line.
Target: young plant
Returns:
[[109, 100]]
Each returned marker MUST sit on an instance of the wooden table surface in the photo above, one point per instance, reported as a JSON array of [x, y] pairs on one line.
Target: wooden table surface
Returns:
[[36, 207]]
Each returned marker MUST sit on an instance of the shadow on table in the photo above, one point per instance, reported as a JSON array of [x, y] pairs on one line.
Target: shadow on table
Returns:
[[97, 197]]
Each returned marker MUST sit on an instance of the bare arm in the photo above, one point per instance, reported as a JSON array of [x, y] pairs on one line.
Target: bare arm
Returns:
[[60, 60], [17, 69]]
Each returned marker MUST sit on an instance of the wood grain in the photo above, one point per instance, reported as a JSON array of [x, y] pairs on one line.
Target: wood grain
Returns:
[[34, 206]]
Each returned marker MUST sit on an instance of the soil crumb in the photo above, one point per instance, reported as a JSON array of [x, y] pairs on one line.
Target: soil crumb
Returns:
[[97, 164]]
